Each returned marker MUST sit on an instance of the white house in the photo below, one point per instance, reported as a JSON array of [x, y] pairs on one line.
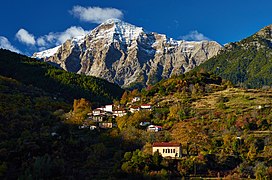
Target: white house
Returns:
[[106, 125], [108, 108], [167, 149], [145, 123], [119, 112], [93, 128], [133, 109], [97, 112], [154, 128], [136, 99], [98, 118], [146, 107], [102, 108]]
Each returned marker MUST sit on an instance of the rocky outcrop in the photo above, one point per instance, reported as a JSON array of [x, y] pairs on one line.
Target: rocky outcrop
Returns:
[[126, 54]]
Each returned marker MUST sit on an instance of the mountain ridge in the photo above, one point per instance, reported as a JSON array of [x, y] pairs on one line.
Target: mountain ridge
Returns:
[[55, 81], [128, 55], [246, 63]]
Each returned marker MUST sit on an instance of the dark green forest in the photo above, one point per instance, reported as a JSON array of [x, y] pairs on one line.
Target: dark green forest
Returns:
[[37, 144], [62, 84], [246, 63]]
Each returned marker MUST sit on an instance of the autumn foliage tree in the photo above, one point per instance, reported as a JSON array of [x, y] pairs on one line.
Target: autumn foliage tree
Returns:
[[124, 98], [81, 108]]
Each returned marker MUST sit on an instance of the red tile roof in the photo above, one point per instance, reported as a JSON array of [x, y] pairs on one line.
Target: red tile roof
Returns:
[[165, 144], [146, 105]]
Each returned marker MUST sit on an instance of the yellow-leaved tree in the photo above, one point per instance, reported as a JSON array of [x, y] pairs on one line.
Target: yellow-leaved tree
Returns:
[[81, 108]]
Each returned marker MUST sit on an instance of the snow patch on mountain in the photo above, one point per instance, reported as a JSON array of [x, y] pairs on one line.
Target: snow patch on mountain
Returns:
[[46, 53], [120, 31], [126, 54]]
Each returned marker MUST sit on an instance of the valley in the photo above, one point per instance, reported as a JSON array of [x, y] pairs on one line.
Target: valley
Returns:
[[186, 109]]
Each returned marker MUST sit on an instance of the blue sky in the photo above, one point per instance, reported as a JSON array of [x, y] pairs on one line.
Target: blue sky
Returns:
[[28, 26]]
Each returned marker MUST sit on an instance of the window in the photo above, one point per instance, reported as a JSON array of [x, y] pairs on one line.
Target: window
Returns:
[[174, 150], [163, 150]]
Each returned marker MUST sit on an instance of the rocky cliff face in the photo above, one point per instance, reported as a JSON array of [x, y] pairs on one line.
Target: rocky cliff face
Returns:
[[127, 55]]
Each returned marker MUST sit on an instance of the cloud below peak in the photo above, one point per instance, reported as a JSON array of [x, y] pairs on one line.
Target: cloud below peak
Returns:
[[194, 36], [25, 37], [57, 38], [96, 14]]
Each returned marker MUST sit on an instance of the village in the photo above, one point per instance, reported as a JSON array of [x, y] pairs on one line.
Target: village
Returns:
[[104, 118]]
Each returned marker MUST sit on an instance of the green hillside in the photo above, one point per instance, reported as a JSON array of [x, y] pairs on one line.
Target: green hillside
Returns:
[[58, 82], [224, 131], [36, 142], [247, 63]]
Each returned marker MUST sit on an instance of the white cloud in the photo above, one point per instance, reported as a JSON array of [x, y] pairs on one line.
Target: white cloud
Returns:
[[50, 40], [5, 44], [57, 38], [25, 37], [96, 14], [70, 33], [194, 36], [41, 41]]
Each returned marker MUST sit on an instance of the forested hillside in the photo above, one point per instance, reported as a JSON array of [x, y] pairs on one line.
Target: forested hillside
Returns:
[[58, 82], [224, 131], [246, 63], [36, 143]]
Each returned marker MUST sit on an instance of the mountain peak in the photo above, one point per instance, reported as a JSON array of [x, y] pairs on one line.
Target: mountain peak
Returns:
[[112, 21], [126, 54], [118, 30], [120, 24]]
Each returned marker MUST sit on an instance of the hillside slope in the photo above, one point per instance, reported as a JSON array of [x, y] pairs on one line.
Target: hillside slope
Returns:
[[224, 131], [247, 63], [37, 143], [56, 81]]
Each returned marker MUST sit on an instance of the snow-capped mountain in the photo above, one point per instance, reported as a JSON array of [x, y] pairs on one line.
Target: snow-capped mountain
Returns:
[[127, 55]]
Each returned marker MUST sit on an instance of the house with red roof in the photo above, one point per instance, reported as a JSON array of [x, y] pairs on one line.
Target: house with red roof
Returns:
[[146, 107], [167, 149], [154, 128]]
